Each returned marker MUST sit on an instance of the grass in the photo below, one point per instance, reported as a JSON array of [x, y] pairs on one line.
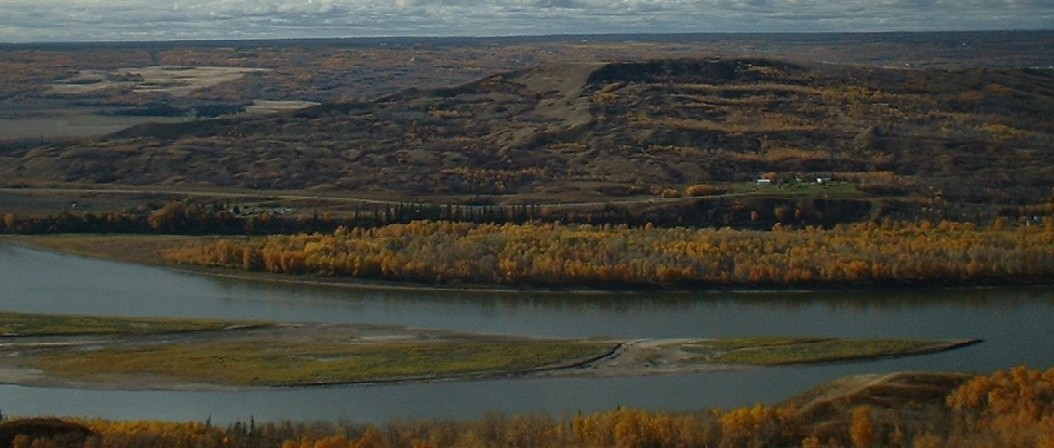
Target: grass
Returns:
[[269, 358], [269, 363], [803, 189], [19, 324], [326, 354], [143, 249], [782, 351]]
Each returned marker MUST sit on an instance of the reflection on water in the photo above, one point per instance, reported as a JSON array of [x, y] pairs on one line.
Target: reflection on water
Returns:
[[1015, 323]]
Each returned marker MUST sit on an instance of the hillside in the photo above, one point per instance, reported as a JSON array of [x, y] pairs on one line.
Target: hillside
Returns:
[[1010, 408], [908, 402], [964, 142]]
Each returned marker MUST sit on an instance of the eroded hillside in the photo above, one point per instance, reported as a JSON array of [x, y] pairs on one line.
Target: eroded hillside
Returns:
[[600, 132]]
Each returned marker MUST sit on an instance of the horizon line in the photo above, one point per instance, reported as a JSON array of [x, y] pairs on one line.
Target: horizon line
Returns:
[[555, 36]]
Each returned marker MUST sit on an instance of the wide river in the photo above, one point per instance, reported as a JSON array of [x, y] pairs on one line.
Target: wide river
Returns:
[[1017, 325]]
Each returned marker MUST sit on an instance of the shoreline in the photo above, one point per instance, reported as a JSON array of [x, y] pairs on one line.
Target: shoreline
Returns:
[[623, 358], [611, 363], [26, 241]]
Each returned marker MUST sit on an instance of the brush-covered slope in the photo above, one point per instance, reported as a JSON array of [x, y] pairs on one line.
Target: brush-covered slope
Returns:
[[905, 402], [601, 130]]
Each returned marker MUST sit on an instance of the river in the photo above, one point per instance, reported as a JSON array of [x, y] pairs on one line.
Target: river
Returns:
[[1016, 324]]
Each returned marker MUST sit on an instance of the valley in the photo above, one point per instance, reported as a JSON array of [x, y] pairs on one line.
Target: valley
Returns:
[[829, 239], [647, 130]]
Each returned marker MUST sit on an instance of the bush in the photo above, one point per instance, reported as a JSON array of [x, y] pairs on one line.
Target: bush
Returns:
[[703, 190]]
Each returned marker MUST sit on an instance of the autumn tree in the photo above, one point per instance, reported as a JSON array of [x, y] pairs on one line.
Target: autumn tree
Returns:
[[621, 256], [861, 428]]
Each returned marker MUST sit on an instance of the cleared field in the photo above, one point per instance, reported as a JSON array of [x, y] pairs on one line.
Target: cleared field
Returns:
[[173, 80], [71, 124]]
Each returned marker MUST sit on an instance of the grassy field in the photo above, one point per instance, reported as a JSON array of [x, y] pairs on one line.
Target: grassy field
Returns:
[[103, 350], [19, 324], [272, 363], [782, 351], [129, 248], [796, 190], [174, 353]]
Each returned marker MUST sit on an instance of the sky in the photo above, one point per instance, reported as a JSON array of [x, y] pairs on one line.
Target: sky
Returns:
[[131, 20]]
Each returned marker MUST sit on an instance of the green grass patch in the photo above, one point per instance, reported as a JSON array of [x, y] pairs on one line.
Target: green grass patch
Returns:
[[803, 189], [780, 351], [144, 249], [19, 324], [279, 363]]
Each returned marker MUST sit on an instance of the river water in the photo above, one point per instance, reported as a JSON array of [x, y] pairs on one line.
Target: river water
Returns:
[[1017, 325]]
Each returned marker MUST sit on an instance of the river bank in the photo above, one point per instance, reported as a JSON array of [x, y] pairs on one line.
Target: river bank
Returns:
[[205, 356], [51, 283], [148, 249]]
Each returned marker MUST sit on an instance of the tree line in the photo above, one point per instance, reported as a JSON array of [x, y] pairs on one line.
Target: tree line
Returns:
[[1009, 408], [217, 217], [190, 217], [221, 217], [621, 256]]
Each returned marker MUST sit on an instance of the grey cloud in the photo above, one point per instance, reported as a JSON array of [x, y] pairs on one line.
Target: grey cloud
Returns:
[[33, 20]]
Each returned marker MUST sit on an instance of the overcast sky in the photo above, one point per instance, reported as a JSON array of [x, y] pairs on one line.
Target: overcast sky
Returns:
[[93, 20]]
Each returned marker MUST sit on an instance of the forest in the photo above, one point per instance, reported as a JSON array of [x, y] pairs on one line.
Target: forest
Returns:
[[1008, 408], [536, 254]]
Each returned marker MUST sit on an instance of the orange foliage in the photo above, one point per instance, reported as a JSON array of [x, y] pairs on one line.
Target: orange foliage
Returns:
[[861, 429], [1010, 408], [553, 254], [1013, 408]]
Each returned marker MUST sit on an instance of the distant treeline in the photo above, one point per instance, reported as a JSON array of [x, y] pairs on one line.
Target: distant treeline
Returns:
[[622, 256], [221, 218], [1010, 409], [189, 217]]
